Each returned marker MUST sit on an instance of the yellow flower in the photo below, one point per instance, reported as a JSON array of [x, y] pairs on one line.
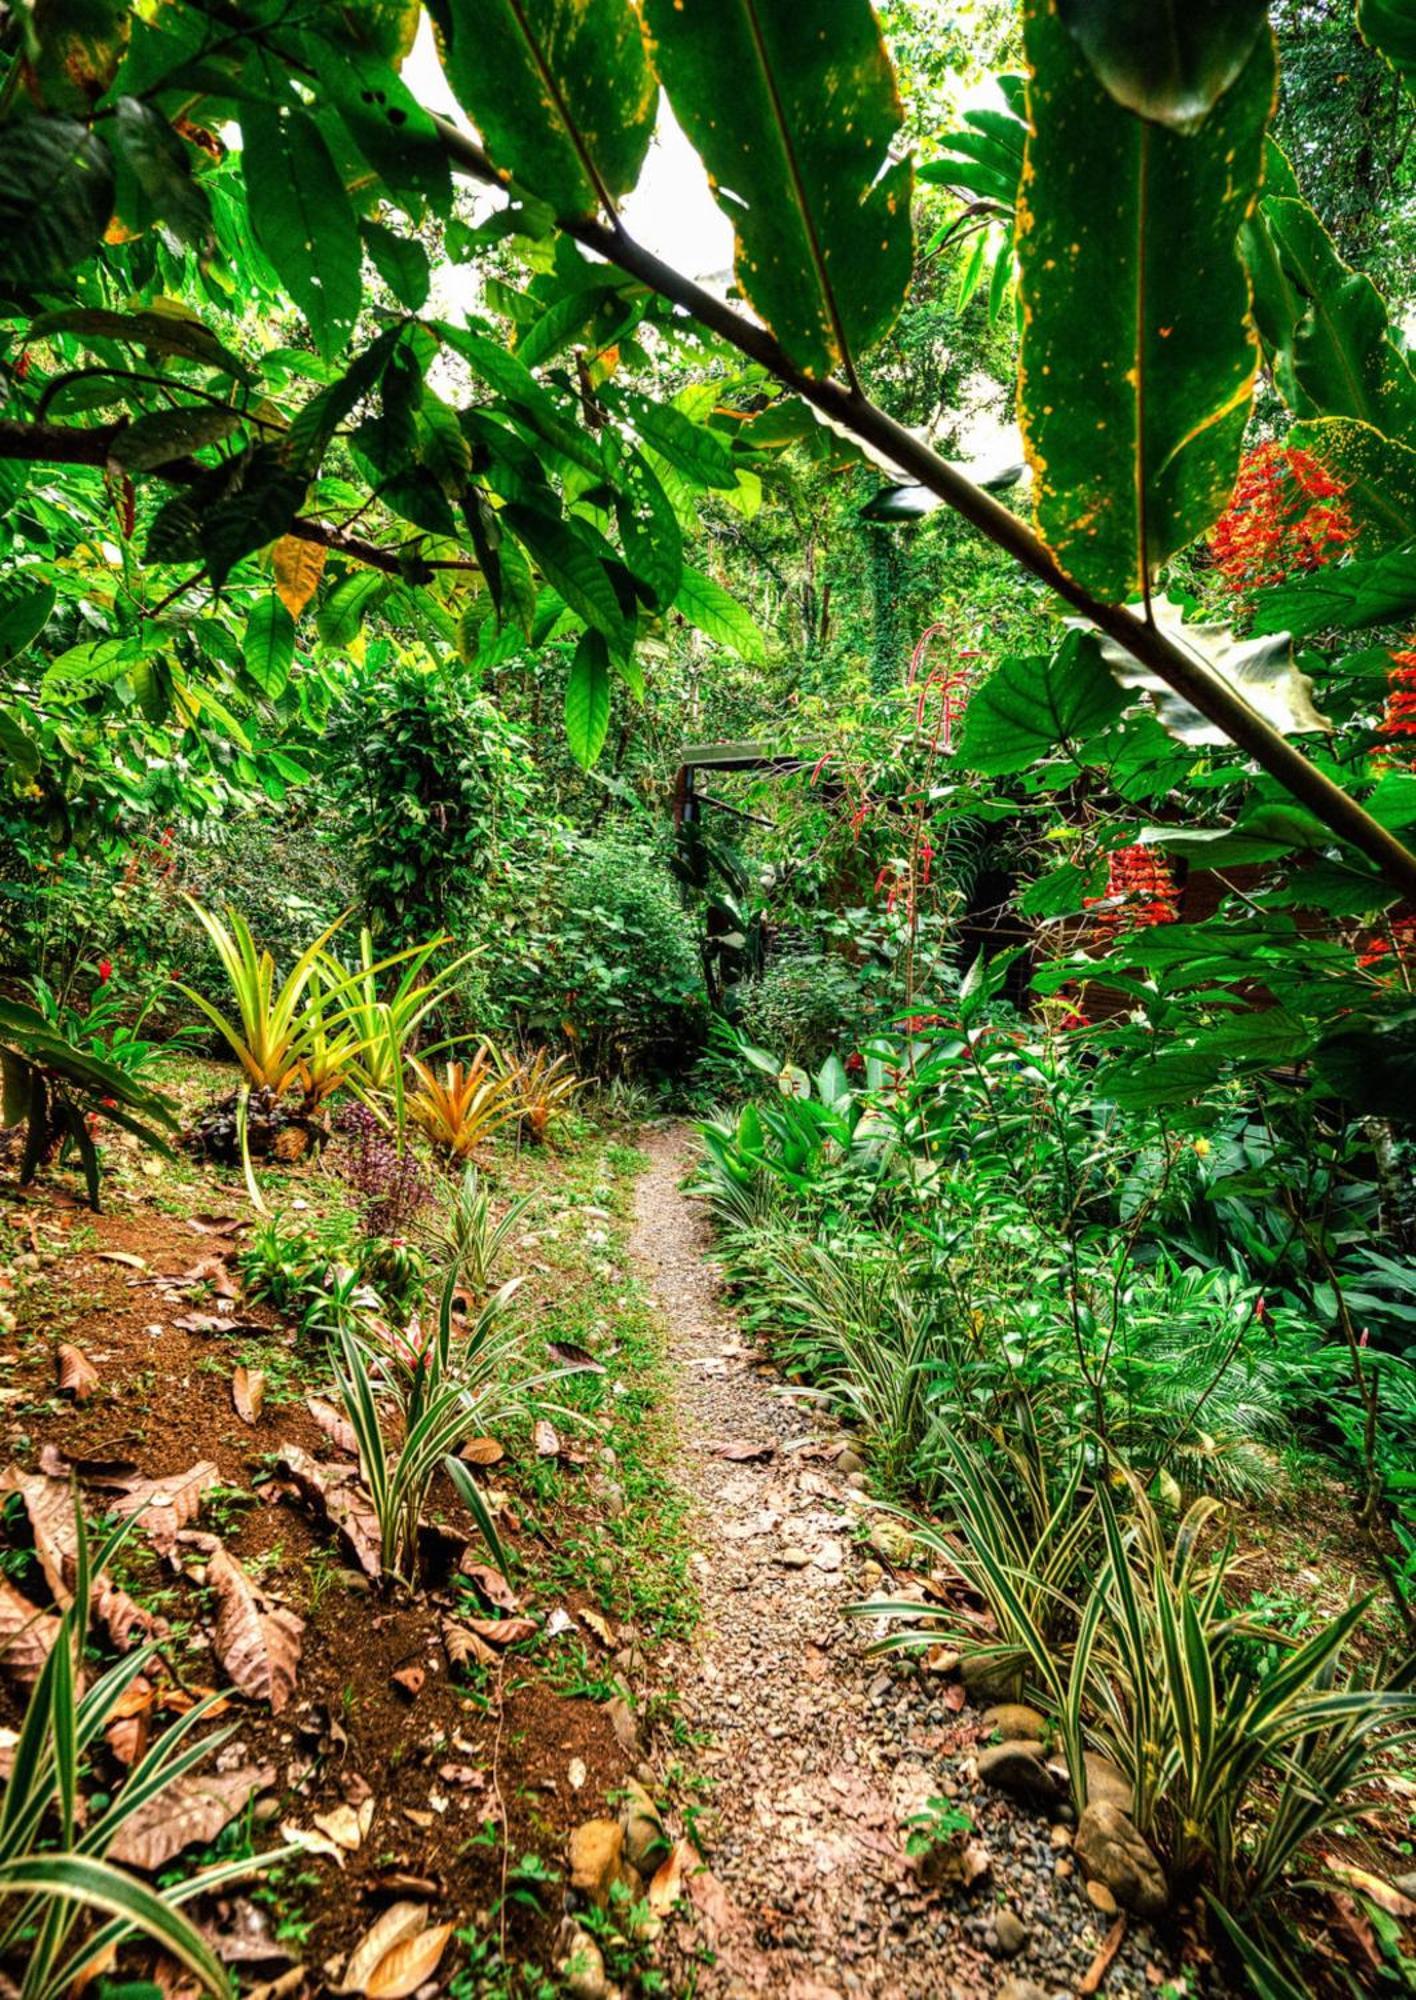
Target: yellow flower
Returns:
[[1202, 1147]]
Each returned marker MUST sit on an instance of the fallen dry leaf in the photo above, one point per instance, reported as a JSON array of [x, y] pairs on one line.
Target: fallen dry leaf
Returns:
[[1373, 1888], [481, 1451], [134, 1263], [743, 1454], [286, 1987], [94, 1470], [345, 1826], [76, 1374], [27, 1636], [163, 1507], [49, 1507], [193, 1809], [127, 1733], [398, 1924], [335, 1425], [503, 1631], [489, 1583], [259, 1648], [406, 1967], [248, 1394], [666, 1885], [212, 1271], [574, 1359], [409, 1680], [337, 1494], [464, 1647], [310, 1841], [546, 1439], [601, 1627]]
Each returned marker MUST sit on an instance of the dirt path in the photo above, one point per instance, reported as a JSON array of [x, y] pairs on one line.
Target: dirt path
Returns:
[[815, 1754]]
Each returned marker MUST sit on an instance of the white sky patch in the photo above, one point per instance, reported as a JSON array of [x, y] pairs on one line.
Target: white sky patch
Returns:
[[670, 212]]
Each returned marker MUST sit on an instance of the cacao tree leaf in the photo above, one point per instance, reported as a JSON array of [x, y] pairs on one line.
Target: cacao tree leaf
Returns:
[[1138, 358], [794, 111], [343, 612], [649, 530], [259, 1648], [385, 120], [1029, 708], [301, 217], [708, 606], [402, 263], [560, 90], [1389, 26], [174, 331], [269, 647], [26, 603], [568, 561], [1168, 60], [1262, 670], [298, 566], [56, 197], [587, 699], [165, 1506], [154, 177], [694, 450], [163, 435]]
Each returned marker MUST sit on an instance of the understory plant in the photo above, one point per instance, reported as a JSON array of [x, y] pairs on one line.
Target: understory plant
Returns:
[[459, 1105], [54, 1870], [472, 1236]]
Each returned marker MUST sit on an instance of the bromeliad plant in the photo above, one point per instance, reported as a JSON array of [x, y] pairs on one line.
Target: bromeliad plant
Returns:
[[54, 1869], [471, 1235], [388, 1027], [460, 1104], [542, 1085]]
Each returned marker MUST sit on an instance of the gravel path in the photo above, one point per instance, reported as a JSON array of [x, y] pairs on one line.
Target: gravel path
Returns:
[[814, 1753]]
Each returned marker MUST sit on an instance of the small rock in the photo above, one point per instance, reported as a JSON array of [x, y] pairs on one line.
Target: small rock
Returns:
[[1111, 1850], [1063, 1869], [1061, 1836], [1406, 1884], [1101, 1898], [645, 1844], [596, 1859], [1021, 1989], [830, 1555], [1015, 1722], [612, 1500], [1010, 1933], [793, 1556], [625, 1724], [985, 1680], [583, 1968], [1017, 1769], [849, 1461]]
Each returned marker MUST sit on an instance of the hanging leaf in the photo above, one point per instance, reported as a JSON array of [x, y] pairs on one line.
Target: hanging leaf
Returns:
[[154, 176], [1168, 60], [301, 217], [567, 559], [708, 606], [169, 330], [1028, 709], [259, 1648], [1137, 355], [26, 603], [587, 700], [560, 90], [1261, 670], [402, 263], [163, 435], [298, 566], [1390, 27], [343, 612], [56, 195], [649, 531], [694, 450], [794, 111]]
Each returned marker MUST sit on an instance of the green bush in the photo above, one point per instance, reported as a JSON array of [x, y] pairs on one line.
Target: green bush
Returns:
[[803, 1006], [611, 964]]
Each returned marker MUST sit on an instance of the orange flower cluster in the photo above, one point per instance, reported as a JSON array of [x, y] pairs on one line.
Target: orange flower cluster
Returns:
[[1140, 892], [1287, 513], [1395, 950]]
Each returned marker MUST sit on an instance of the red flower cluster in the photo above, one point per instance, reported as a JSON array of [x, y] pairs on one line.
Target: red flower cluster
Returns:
[[1399, 715], [1394, 949], [1287, 513], [105, 971], [1140, 891]]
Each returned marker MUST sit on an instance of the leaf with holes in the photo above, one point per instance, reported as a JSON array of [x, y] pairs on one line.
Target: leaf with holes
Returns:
[[164, 435], [384, 119], [1138, 358], [560, 90], [794, 112], [301, 217]]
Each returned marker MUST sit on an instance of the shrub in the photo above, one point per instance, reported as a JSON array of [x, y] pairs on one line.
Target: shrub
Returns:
[[803, 1006]]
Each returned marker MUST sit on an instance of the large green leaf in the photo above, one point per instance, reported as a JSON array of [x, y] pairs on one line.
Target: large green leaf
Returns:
[[1262, 671], [1378, 473], [1390, 27], [154, 176], [794, 112], [1169, 60], [385, 120], [561, 91], [56, 197], [162, 435], [587, 699], [1342, 597], [301, 217], [708, 606], [26, 602], [649, 530], [1338, 355], [1137, 358], [1028, 708], [569, 562], [172, 330], [269, 647]]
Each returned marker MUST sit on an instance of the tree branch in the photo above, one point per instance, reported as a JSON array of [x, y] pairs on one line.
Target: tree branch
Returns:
[[1180, 669]]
